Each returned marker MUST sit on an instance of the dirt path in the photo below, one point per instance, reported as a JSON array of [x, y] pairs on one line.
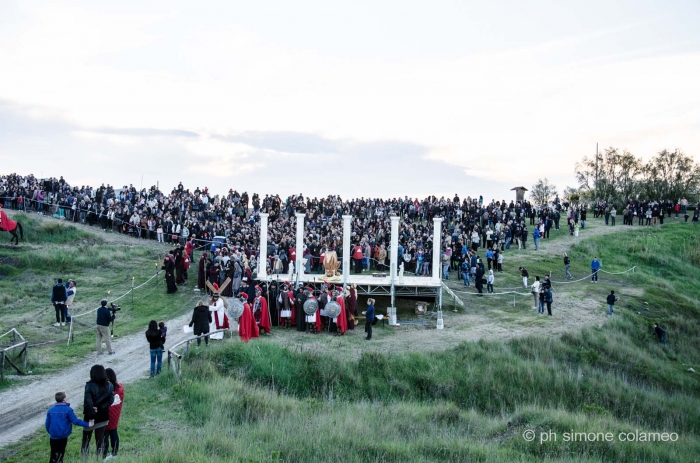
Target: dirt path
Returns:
[[23, 408]]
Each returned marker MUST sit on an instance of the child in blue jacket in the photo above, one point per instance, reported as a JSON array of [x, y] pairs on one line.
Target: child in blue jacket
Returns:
[[59, 424]]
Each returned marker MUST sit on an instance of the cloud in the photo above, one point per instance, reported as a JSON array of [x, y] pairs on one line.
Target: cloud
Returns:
[[144, 132]]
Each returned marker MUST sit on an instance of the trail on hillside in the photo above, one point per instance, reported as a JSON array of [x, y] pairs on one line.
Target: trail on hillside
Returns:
[[23, 408]]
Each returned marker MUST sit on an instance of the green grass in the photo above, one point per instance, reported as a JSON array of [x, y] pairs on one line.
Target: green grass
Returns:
[[263, 402], [55, 249]]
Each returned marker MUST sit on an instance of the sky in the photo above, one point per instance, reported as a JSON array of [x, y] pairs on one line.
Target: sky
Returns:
[[360, 99]]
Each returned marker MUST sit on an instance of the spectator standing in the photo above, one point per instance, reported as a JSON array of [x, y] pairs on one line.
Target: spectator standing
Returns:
[[71, 290], [155, 342], [58, 298], [115, 411], [535, 291], [595, 267], [59, 424], [369, 318], [611, 301], [99, 395], [489, 282], [548, 299], [525, 275]]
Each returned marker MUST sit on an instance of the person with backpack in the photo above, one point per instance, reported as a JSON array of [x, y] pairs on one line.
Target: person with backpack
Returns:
[[567, 266]]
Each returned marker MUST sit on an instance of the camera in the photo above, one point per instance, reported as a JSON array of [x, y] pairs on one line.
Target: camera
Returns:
[[114, 308]]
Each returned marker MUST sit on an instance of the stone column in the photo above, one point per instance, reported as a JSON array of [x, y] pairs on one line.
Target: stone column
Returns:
[[347, 231], [394, 252], [299, 264], [262, 258], [437, 241]]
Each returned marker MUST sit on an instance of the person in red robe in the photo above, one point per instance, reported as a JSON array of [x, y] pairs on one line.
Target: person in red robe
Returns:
[[351, 306], [247, 328], [260, 312], [202, 274], [341, 320]]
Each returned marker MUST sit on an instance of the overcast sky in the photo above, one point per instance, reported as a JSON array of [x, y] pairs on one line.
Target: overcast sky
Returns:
[[355, 98]]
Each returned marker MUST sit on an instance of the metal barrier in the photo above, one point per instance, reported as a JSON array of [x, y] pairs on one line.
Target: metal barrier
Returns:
[[4, 353], [178, 356]]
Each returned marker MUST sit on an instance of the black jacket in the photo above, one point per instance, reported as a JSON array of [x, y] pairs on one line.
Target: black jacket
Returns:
[[100, 397], [201, 318], [611, 299], [58, 294], [104, 317], [154, 341]]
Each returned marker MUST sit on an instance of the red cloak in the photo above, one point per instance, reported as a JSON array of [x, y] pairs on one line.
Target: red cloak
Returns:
[[247, 328], [264, 315], [5, 223], [342, 320]]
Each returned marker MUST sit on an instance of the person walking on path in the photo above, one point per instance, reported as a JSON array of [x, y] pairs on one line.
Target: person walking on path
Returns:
[[611, 301], [567, 266], [369, 318], [155, 343], [595, 267], [104, 318], [201, 319], [59, 424]]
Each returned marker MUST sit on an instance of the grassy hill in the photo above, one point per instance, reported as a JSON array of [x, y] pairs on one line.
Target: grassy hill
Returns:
[[54, 249], [470, 402]]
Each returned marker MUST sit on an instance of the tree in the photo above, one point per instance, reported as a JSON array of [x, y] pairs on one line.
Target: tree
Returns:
[[543, 192], [571, 195], [670, 175]]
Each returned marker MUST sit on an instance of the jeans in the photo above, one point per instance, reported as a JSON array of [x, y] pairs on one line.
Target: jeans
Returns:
[[594, 276], [508, 241], [156, 354], [465, 277], [568, 273], [113, 435], [540, 309], [583, 224], [446, 271], [537, 242], [611, 308]]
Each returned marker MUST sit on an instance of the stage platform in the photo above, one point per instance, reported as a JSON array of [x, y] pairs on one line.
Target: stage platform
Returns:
[[376, 286]]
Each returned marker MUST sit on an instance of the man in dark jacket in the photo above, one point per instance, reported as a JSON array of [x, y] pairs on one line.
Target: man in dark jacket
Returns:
[[611, 301], [58, 298], [201, 319], [104, 318], [660, 333]]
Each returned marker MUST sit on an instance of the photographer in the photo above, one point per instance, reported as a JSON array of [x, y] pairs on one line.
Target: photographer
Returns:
[[104, 318]]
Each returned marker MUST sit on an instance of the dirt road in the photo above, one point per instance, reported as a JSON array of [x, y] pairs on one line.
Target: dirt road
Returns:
[[23, 408]]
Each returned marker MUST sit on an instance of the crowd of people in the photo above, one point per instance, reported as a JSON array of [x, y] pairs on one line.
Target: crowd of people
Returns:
[[199, 216]]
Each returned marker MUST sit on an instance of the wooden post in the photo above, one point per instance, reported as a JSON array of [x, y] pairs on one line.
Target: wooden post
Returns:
[[24, 360], [2, 368]]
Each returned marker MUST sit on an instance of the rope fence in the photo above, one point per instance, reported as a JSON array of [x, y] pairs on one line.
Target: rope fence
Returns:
[[71, 330]]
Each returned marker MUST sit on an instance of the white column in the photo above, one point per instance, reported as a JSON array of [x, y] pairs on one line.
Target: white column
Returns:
[[299, 264], [394, 252], [262, 258], [393, 265], [347, 231], [437, 242]]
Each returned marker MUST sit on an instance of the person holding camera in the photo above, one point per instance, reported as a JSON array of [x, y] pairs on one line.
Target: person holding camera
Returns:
[[104, 318]]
